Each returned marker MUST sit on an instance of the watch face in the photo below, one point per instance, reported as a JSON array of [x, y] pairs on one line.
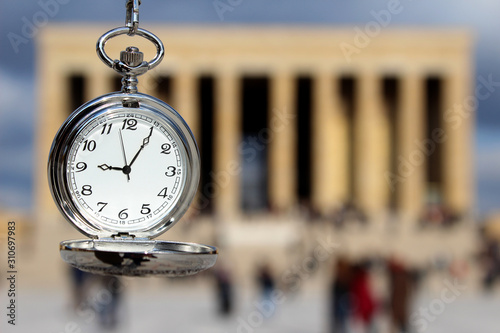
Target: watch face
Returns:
[[126, 170]]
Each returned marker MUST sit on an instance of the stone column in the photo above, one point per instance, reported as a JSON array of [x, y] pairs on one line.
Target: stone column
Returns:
[[372, 146], [409, 177], [98, 82], [185, 96], [283, 145], [458, 121], [227, 139], [148, 83], [329, 145]]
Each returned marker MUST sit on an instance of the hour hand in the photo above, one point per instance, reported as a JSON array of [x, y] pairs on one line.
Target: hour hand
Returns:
[[108, 167]]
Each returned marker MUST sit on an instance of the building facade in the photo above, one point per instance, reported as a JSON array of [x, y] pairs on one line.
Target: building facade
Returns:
[[292, 119]]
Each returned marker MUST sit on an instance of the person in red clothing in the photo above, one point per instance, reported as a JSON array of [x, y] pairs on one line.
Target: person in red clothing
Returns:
[[363, 303]]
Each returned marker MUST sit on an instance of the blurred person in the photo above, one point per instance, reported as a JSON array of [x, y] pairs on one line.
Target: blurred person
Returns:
[[79, 281], [224, 290], [492, 263], [400, 294], [266, 281], [340, 296], [363, 303], [433, 215], [108, 301], [338, 216], [458, 269]]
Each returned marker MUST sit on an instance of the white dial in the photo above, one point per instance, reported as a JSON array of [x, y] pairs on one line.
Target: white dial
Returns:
[[125, 169]]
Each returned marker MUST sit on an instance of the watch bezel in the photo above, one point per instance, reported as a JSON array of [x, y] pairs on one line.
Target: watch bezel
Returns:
[[69, 131]]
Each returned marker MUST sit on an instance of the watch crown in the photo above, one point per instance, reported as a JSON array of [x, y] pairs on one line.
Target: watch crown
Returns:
[[132, 56]]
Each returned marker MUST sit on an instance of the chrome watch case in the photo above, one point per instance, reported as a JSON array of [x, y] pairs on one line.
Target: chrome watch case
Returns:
[[67, 135], [110, 250]]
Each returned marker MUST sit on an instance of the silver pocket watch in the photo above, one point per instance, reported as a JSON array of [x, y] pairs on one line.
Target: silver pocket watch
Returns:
[[123, 169]]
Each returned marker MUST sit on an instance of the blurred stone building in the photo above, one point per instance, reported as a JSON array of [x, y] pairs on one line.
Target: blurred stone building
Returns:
[[306, 135]]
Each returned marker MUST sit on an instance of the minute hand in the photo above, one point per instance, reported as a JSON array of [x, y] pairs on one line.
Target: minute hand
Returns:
[[145, 141]]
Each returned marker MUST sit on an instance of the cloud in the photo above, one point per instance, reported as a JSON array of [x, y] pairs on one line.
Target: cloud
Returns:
[[487, 163], [16, 140]]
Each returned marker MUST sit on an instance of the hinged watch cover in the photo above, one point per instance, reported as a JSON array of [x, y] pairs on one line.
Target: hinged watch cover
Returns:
[[120, 245]]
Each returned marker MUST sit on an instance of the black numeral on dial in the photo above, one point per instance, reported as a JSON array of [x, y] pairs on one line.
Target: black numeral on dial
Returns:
[[123, 214], [89, 145], [165, 148], [103, 204], [106, 129], [130, 124], [170, 171], [145, 209], [80, 166], [163, 193], [86, 190]]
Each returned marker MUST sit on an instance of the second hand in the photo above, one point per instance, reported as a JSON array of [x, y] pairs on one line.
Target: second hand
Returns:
[[123, 151]]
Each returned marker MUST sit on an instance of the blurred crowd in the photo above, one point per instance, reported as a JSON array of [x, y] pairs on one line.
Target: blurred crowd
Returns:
[[434, 214], [490, 258], [354, 305]]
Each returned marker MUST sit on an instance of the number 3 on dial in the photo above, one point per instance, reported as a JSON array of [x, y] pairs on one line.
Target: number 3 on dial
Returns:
[[122, 164], [116, 162]]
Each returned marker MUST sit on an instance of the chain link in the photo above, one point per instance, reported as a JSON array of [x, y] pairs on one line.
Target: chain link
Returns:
[[132, 16]]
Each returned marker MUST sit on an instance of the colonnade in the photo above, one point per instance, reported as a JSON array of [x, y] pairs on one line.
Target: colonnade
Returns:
[[331, 142]]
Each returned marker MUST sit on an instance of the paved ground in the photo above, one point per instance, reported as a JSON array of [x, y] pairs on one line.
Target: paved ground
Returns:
[[192, 309]]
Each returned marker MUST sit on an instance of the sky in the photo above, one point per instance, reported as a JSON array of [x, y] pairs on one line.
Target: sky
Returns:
[[20, 22]]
